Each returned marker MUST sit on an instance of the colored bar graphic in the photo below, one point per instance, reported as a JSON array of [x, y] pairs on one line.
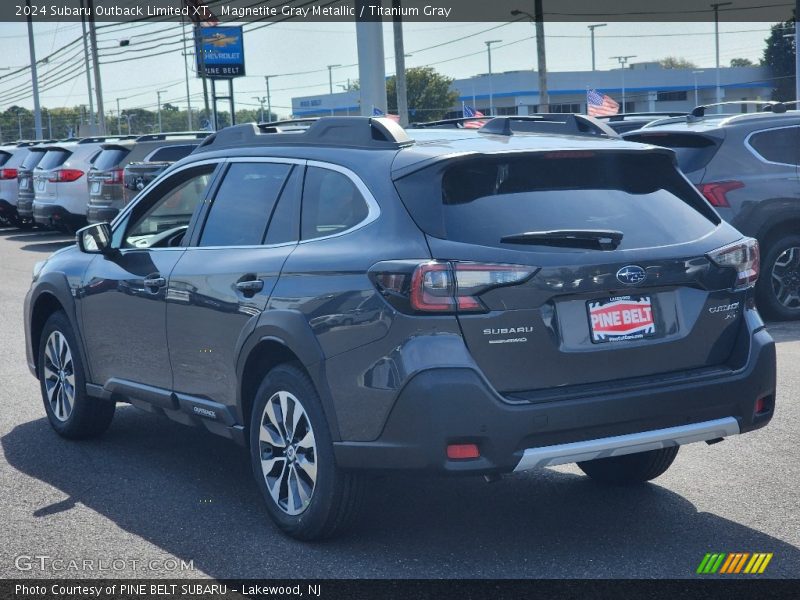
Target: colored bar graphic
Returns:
[[734, 563]]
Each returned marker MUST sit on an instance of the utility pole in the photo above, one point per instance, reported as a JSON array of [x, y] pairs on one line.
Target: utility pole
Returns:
[[491, 86], [623, 61], [260, 101], [98, 84], [19, 122], [400, 64], [541, 58], [716, 6], [158, 95], [119, 117], [371, 62], [186, 73], [87, 68], [330, 82], [592, 28], [696, 73], [37, 110], [269, 99]]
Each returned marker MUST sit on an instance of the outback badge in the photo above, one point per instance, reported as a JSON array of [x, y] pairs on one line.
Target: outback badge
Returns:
[[631, 275]]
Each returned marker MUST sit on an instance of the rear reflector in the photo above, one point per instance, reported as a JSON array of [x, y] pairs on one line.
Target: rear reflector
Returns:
[[742, 256], [462, 451], [716, 192]]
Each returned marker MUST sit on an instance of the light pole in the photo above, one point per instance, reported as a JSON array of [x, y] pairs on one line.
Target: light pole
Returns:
[[260, 101], [716, 6], [128, 118], [491, 87], [186, 73], [158, 95], [696, 73], [623, 61], [119, 117], [592, 28], [37, 110], [88, 72], [541, 59], [269, 99], [330, 81]]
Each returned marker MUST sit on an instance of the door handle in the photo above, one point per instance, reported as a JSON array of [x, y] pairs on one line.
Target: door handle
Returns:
[[250, 286], [155, 281]]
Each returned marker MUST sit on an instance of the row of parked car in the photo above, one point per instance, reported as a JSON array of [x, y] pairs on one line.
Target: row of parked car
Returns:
[[63, 184]]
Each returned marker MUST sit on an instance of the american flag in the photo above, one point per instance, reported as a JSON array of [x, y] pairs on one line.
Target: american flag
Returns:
[[600, 105], [470, 112]]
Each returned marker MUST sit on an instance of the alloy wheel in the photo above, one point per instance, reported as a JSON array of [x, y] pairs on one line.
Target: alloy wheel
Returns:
[[786, 278], [288, 453], [59, 376]]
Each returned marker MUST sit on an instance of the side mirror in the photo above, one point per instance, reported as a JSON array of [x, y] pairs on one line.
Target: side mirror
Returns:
[[94, 239]]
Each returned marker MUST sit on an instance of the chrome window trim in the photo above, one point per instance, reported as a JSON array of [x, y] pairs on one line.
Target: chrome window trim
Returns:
[[758, 155], [373, 209], [631, 443]]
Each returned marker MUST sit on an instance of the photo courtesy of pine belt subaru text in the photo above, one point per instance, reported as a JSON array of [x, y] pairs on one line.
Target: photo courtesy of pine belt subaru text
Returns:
[[343, 297]]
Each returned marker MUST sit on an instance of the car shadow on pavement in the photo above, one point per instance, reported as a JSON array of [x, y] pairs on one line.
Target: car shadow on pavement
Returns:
[[48, 247], [784, 331], [191, 494]]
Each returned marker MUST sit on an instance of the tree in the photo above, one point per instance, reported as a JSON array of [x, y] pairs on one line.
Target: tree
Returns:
[[429, 94], [779, 57], [741, 62], [676, 62]]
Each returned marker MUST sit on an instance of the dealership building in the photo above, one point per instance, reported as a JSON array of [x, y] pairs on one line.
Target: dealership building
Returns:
[[648, 87]]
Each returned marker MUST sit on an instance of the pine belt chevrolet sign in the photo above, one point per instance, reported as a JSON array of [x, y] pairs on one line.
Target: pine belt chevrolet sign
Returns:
[[222, 52]]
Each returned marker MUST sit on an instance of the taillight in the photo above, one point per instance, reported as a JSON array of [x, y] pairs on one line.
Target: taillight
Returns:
[[8, 173], [717, 192], [443, 286], [742, 256], [114, 176], [64, 175]]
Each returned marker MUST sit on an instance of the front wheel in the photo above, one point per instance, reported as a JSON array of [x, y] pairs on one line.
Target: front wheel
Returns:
[[291, 451], [70, 410], [630, 468]]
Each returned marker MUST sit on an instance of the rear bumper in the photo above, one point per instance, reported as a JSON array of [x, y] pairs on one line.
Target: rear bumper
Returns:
[[101, 214], [55, 214], [446, 406], [25, 206]]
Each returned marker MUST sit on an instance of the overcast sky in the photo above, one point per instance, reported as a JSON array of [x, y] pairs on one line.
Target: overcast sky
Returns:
[[291, 48]]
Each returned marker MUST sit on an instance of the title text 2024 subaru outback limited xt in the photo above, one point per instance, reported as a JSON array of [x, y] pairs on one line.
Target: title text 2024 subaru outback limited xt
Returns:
[[346, 299]]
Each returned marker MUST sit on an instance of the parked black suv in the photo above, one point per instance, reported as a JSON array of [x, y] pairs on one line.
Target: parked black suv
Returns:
[[356, 297]]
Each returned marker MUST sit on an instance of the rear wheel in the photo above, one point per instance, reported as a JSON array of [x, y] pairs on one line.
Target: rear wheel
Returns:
[[71, 412], [291, 451], [778, 288], [630, 468]]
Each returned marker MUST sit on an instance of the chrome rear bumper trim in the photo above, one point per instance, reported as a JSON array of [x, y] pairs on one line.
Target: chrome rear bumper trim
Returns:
[[561, 454]]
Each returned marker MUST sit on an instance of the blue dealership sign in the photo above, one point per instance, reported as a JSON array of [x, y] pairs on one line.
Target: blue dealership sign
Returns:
[[222, 52]]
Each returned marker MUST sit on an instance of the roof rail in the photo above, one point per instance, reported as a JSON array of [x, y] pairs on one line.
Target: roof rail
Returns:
[[557, 123], [286, 125], [160, 137], [373, 133], [105, 138], [623, 116], [447, 123], [700, 111]]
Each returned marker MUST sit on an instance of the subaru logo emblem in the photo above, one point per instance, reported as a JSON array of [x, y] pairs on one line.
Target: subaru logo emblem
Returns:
[[631, 275]]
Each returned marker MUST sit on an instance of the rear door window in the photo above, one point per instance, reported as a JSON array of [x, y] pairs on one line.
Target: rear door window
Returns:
[[480, 201], [331, 204], [244, 203], [694, 151], [53, 159], [32, 159], [777, 145]]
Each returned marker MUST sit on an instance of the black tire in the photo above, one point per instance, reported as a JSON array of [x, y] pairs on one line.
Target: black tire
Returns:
[[24, 224], [768, 288], [335, 495], [83, 416], [630, 468]]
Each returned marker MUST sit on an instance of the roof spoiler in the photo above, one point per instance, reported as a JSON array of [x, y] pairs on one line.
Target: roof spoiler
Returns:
[[556, 123]]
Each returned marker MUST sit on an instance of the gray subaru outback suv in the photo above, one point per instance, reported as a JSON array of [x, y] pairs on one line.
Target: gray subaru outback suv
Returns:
[[352, 297], [746, 165]]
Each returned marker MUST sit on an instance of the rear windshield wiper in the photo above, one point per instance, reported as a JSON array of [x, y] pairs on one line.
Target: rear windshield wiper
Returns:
[[591, 239]]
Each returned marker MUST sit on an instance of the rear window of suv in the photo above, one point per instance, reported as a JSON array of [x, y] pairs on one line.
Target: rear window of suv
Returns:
[[481, 200], [32, 159], [53, 159], [171, 153], [110, 158], [694, 151]]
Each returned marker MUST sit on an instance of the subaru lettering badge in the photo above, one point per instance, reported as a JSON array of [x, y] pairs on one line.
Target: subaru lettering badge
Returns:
[[631, 275]]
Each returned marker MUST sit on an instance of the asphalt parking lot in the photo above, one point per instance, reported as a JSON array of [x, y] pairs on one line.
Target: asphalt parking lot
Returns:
[[153, 490]]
